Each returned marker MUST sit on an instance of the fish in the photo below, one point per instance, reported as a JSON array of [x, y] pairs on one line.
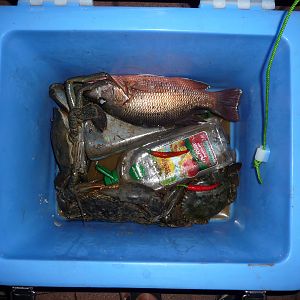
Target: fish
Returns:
[[118, 136], [150, 100]]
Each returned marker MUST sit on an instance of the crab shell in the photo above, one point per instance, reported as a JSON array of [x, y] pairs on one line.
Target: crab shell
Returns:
[[199, 207]]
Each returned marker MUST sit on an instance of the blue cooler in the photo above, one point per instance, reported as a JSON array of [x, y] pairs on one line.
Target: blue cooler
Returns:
[[258, 248]]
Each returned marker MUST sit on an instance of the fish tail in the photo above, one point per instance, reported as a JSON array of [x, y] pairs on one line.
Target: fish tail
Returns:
[[227, 102]]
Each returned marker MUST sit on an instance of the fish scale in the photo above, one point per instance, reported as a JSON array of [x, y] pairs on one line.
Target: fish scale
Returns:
[[162, 106]]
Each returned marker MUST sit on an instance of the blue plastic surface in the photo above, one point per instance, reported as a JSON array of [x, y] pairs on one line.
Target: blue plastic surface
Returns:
[[258, 248]]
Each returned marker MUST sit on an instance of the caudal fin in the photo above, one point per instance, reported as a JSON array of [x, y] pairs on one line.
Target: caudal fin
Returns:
[[227, 102]]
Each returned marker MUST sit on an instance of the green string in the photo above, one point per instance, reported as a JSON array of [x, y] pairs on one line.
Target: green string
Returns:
[[257, 163]]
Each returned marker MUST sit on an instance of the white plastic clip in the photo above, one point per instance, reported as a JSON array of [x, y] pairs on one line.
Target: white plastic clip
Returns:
[[219, 3], [244, 4], [268, 4], [36, 2], [262, 155], [86, 2], [60, 2]]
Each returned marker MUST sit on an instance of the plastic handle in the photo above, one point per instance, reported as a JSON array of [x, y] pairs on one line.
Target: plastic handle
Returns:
[[262, 154]]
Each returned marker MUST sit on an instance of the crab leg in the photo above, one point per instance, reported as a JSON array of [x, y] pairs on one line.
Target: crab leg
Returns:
[[70, 83]]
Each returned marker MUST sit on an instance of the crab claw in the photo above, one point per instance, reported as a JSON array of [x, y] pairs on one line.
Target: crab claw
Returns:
[[61, 144], [95, 113], [57, 93]]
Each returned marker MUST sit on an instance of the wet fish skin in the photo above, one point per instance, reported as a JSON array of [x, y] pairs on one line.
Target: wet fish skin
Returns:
[[151, 100]]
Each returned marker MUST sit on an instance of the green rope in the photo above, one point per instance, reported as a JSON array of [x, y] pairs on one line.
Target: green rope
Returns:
[[257, 163]]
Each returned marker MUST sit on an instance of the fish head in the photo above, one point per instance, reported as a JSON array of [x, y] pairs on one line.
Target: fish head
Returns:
[[103, 91], [107, 92]]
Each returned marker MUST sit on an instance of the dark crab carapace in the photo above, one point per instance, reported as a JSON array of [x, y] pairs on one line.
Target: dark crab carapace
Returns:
[[199, 207]]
